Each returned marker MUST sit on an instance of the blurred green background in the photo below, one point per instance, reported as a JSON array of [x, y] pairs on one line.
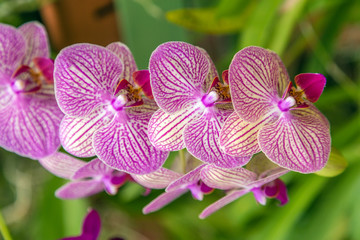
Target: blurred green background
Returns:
[[311, 36]]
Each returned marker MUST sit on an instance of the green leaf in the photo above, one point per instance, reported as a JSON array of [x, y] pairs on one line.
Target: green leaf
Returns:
[[260, 24], [207, 20], [285, 26]]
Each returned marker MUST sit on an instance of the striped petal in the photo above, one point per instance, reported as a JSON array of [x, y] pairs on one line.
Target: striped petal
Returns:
[[125, 55], [125, 146], [267, 177], [7, 96], [253, 79], [201, 140], [30, 126], [284, 78], [76, 133], [166, 130], [61, 164], [186, 180], [239, 138], [297, 141], [227, 178], [230, 197], [13, 48], [177, 74], [93, 168], [85, 77], [80, 189], [163, 200], [212, 72], [158, 179], [36, 41]]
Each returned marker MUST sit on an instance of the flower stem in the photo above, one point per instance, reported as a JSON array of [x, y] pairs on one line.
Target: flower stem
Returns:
[[3, 229], [183, 160]]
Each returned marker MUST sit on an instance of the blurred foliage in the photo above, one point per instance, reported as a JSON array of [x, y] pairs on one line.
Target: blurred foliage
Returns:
[[310, 36]]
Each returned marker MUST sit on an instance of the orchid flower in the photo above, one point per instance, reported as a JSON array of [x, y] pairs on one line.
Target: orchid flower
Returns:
[[105, 114], [263, 182], [273, 116], [90, 229], [89, 178], [187, 89], [29, 115], [189, 182]]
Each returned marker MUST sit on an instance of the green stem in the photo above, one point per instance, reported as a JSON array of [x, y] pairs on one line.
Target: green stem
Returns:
[[182, 159], [3, 229]]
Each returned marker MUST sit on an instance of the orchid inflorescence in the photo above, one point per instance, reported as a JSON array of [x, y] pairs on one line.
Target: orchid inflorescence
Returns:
[[242, 131]]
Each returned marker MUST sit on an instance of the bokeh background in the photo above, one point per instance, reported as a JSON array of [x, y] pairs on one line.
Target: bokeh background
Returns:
[[310, 36]]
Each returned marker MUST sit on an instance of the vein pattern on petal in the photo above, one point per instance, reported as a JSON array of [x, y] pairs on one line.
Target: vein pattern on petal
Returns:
[[253, 80], [177, 73], [201, 140], [85, 77], [300, 143]]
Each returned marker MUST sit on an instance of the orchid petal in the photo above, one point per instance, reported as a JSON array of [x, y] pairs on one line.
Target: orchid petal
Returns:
[[230, 197], [312, 84], [7, 96], [212, 72], [297, 142], [163, 200], [142, 79], [46, 68], [30, 126], [177, 74], [13, 48], [76, 133], [227, 178], [166, 130], [284, 78], [85, 77], [36, 41], [186, 180], [80, 189], [93, 168], [239, 138], [201, 140], [125, 146], [61, 165], [253, 78], [92, 224], [282, 196], [259, 195], [125, 55], [268, 176], [225, 76], [158, 179]]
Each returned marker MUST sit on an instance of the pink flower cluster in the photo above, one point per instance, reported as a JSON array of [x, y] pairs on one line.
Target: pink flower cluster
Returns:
[[96, 103]]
